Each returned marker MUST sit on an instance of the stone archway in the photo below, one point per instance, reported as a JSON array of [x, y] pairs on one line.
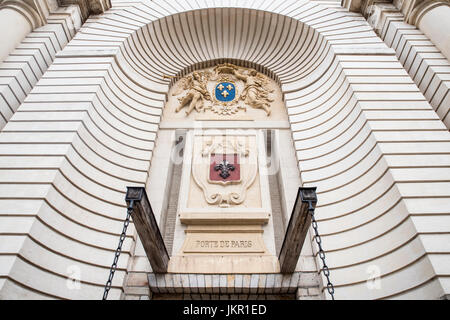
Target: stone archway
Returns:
[[101, 102]]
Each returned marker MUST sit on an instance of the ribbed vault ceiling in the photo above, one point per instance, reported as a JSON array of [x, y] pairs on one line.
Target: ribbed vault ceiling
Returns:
[[283, 48]]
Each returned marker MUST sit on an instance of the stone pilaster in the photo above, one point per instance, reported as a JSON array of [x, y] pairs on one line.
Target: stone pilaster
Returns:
[[401, 25], [41, 29]]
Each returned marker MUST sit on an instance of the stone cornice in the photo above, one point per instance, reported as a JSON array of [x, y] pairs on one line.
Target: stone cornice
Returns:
[[38, 11], [412, 10], [88, 7]]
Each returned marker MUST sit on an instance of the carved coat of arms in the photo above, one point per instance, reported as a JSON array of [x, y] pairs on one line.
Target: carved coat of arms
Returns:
[[227, 100], [224, 170]]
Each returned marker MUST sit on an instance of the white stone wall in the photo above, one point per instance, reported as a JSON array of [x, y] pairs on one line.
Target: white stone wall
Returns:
[[25, 65], [419, 55], [363, 132]]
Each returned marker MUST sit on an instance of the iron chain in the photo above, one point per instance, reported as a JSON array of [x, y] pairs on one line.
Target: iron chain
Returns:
[[325, 269], [112, 270]]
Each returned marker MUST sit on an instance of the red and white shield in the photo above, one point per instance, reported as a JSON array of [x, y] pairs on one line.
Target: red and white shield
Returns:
[[224, 167]]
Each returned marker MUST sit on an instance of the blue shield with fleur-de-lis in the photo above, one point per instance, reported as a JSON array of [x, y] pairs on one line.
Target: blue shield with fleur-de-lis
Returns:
[[225, 91]]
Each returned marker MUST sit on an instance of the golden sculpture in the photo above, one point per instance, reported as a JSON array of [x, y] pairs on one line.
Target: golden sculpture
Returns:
[[197, 92]]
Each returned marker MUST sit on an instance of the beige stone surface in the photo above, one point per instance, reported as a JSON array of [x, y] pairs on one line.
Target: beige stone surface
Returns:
[[202, 190], [420, 48], [204, 238], [222, 264], [29, 49], [222, 239]]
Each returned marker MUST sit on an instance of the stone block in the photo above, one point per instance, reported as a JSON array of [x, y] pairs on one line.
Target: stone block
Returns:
[[270, 283], [262, 283], [185, 283], [308, 280], [137, 291], [294, 282], [201, 283], [254, 279], [137, 279], [208, 283], [230, 283], [177, 285], [309, 298], [285, 283], [238, 280], [246, 283], [193, 283], [278, 280], [314, 291], [169, 283], [152, 283], [301, 292], [215, 283], [161, 282], [223, 283]]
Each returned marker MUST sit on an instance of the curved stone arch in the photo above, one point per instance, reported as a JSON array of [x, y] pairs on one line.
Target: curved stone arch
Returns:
[[132, 56], [110, 117], [169, 56], [143, 20]]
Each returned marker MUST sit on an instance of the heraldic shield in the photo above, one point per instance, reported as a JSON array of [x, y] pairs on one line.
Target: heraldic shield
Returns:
[[224, 169], [225, 92]]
